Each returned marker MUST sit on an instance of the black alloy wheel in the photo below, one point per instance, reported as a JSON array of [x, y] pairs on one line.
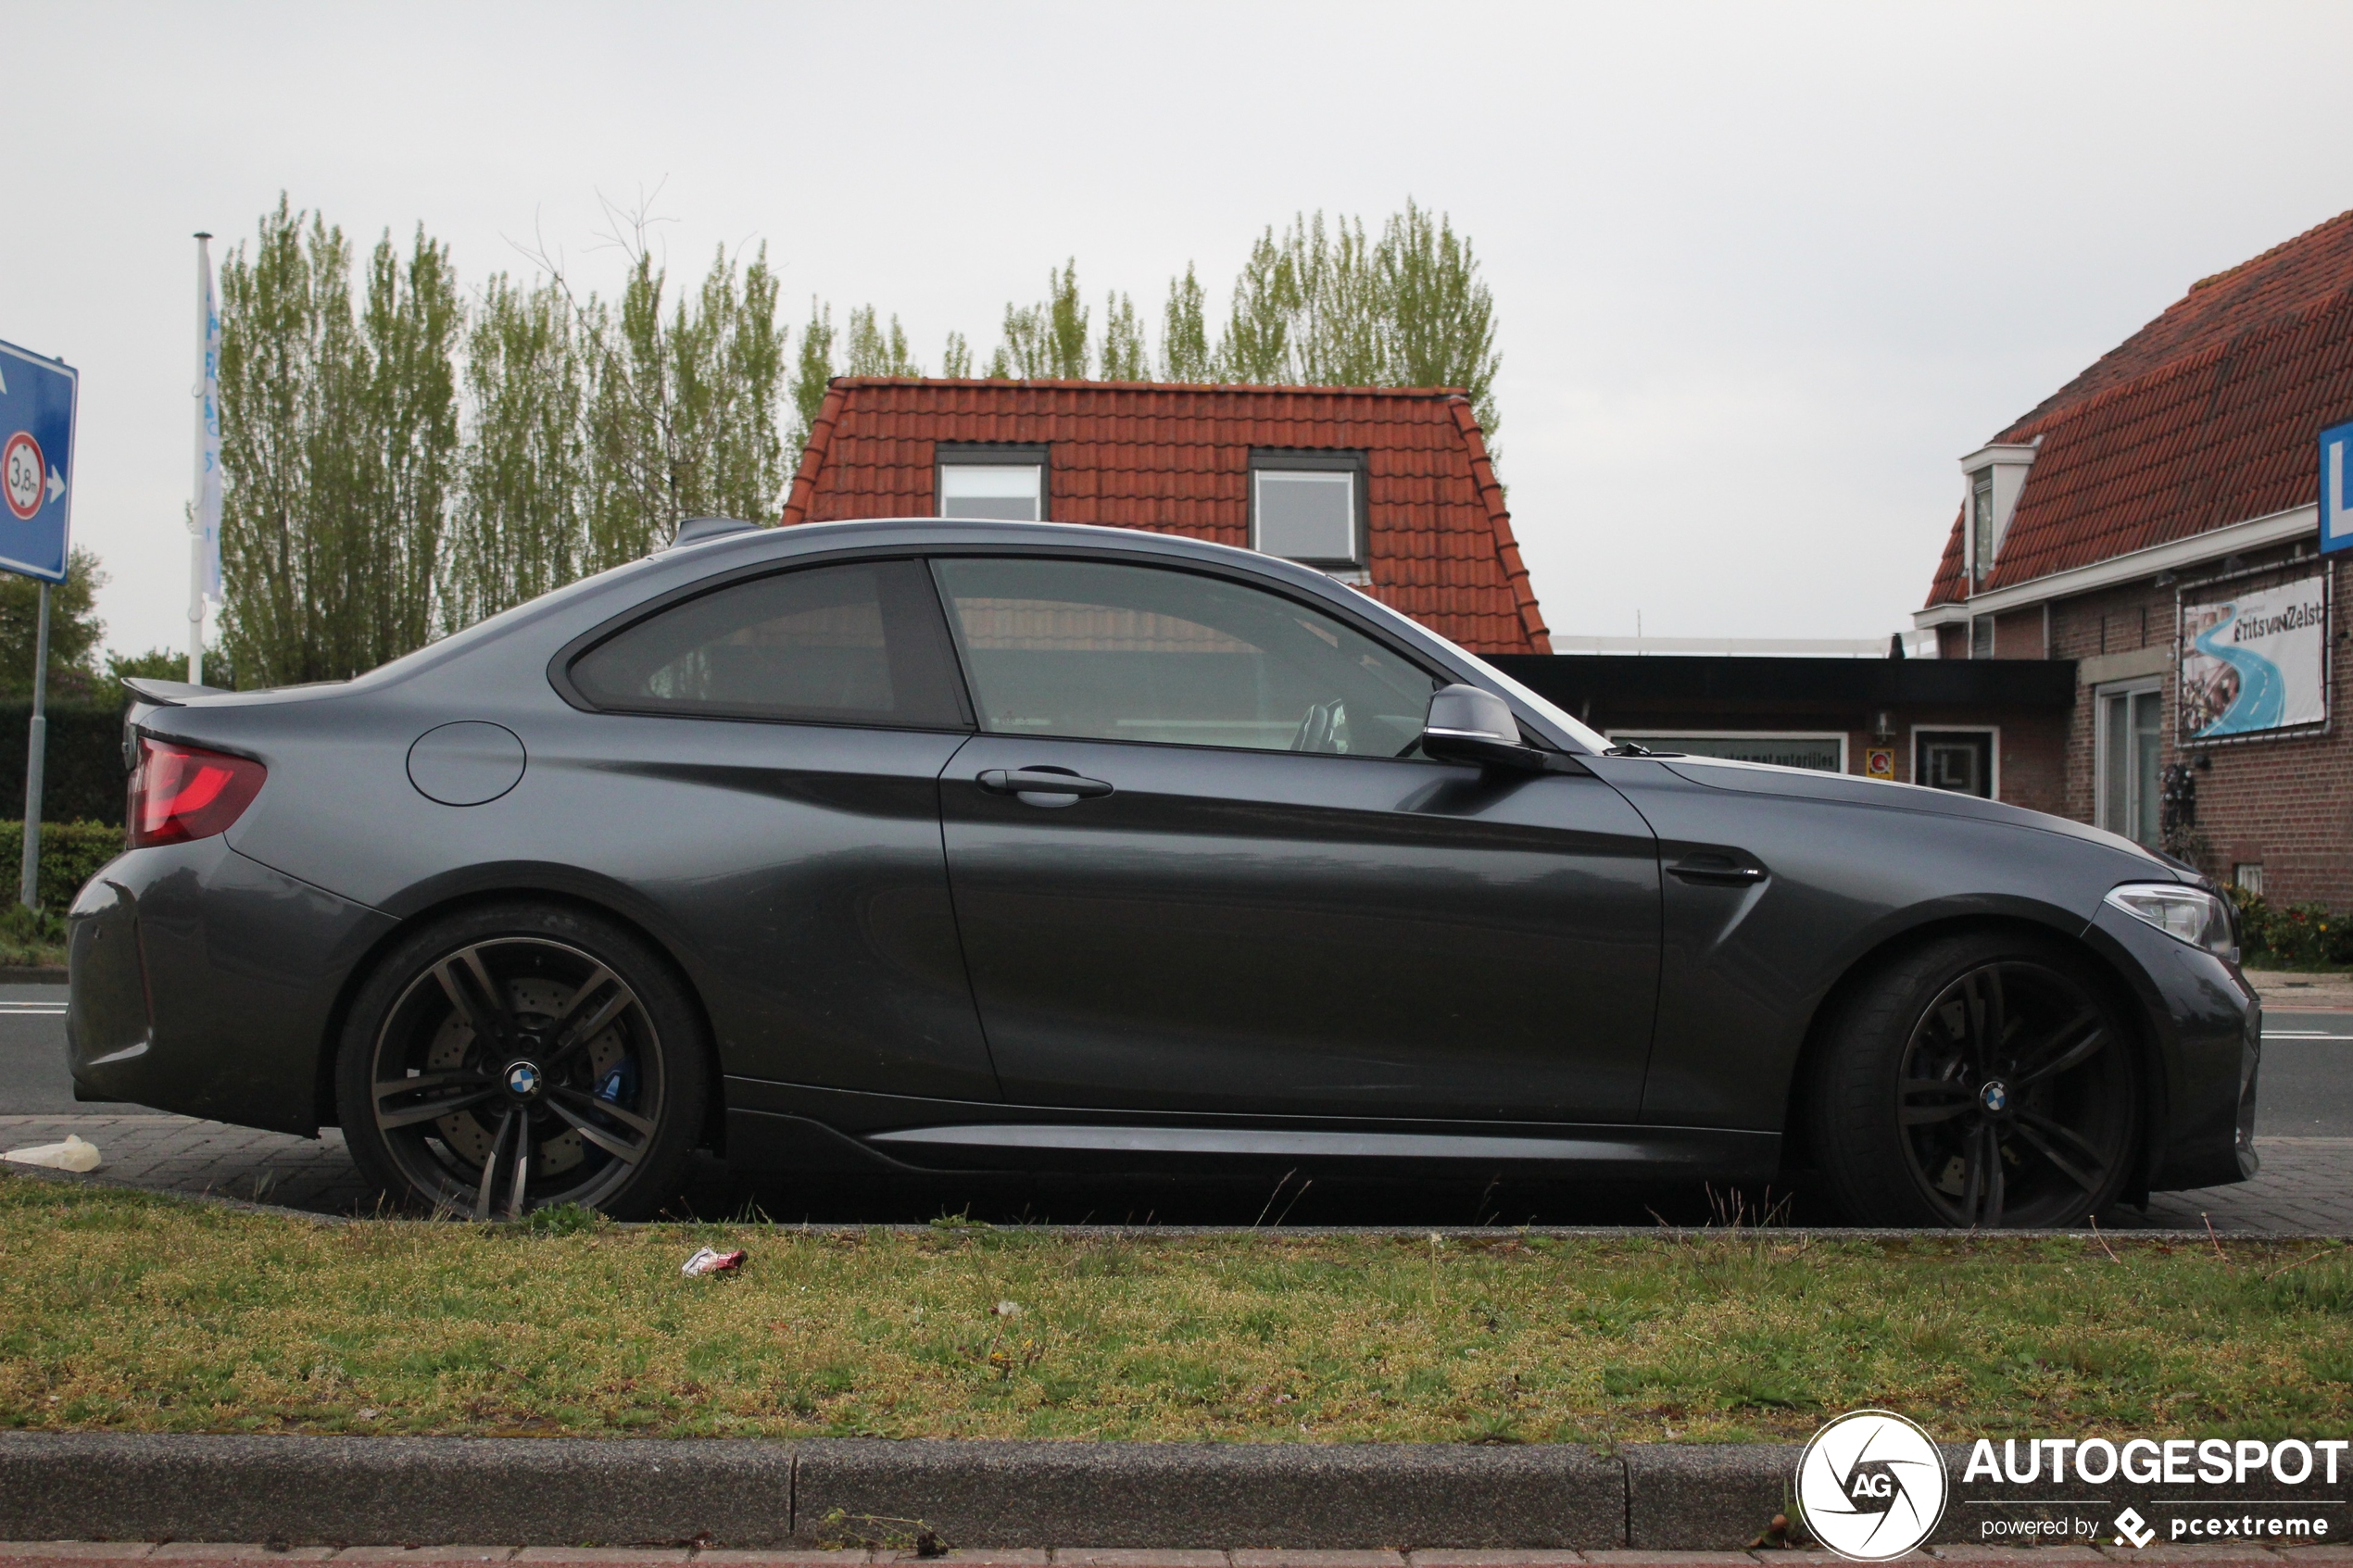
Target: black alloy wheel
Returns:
[[520, 1058], [1977, 1084]]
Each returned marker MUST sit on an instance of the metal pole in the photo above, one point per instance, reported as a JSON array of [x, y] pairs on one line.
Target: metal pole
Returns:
[[36, 749], [195, 524]]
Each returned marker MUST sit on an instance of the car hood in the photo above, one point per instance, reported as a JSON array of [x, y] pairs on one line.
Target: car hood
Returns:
[[1847, 789]]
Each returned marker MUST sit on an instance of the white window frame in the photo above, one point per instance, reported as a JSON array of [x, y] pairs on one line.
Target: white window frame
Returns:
[[1846, 763], [1994, 751], [2101, 761]]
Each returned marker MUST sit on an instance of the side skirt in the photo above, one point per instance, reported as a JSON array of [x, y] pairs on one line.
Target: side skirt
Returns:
[[793, 1126]]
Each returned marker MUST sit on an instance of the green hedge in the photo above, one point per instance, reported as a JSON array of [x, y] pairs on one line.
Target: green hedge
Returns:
[[81, 772], [70, 855], [2300, 935]]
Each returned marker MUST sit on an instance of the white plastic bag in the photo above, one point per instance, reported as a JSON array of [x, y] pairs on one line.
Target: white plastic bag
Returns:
[[71, 1155]]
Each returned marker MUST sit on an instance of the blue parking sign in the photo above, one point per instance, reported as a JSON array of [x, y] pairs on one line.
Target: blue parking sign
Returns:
[[36, 462], [2336, 488]]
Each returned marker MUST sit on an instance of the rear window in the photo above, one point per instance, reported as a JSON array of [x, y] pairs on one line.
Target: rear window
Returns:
[[856, 643]]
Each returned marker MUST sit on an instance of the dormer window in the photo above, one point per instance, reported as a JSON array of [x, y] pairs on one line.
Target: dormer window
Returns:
[[1981, 491], [1994, 478], [1309, 507], [1004, 483]]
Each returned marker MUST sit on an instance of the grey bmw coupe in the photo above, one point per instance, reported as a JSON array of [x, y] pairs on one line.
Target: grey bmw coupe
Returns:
[[948, 846]]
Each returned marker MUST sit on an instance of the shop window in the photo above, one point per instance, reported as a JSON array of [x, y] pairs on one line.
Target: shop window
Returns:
[[2131, 762], [1960, 760], [1308, 507]]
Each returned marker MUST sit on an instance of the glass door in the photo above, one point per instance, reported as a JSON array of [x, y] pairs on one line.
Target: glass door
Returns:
[[2132, 761]]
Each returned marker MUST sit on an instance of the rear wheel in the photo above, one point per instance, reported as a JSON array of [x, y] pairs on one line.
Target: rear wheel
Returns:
[[1979, 1082], [517, 1056]]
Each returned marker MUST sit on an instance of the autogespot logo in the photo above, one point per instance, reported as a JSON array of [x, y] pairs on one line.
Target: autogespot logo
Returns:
[[1871, 1485]]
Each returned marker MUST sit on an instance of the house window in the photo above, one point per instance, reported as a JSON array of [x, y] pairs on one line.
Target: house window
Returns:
[[1981, 492], [1960, 760], [996, 482], [2131, 733], [2248, 876], [1308, 507], [1980, 637]]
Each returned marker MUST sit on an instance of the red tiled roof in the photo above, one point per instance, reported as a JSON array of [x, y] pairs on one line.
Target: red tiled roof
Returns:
[[1175, 459], [2206, 416]]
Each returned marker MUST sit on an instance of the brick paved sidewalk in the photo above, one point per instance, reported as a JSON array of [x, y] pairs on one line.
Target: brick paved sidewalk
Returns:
[[2306, 1185], [99, 1554]]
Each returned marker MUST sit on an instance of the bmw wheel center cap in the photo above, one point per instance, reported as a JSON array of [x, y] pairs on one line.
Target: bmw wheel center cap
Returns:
[[524, 1080], [1994, 1096]]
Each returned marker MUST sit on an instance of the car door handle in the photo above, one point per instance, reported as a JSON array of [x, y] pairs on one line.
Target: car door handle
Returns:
[[1042, 781], [1722, 870]]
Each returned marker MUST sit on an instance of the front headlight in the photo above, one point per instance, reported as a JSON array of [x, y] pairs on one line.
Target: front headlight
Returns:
[[2187, 914]]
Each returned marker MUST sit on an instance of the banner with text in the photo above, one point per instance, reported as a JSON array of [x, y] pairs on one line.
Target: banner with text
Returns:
[[2256, 660]]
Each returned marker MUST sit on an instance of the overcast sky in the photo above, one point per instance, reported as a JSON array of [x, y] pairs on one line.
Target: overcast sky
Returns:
[[1763, 272]]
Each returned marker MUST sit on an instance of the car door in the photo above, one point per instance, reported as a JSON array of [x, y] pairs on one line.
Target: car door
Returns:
[[1196, 869], [763, 761]]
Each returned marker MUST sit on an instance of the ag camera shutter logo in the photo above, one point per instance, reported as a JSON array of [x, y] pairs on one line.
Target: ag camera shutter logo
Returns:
[[1872, 1486]]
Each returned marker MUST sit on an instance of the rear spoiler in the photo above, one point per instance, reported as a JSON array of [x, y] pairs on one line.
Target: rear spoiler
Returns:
[[146, 696], [168, 694]]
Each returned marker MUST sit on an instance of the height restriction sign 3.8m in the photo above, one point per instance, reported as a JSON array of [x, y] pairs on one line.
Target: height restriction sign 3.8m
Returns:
[[36, 462]]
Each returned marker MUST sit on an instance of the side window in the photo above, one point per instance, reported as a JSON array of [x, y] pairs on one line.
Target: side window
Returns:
[[858, 643], [1103, 651]]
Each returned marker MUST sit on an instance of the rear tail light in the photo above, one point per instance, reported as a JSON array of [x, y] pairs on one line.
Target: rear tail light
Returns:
[[183, 791]]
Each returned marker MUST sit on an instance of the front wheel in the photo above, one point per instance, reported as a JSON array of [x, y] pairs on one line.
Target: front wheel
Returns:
[[1979, 1082], [517, 1056]]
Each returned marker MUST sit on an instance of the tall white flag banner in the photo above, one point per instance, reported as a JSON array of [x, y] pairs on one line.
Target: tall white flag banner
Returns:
[[206, 521]]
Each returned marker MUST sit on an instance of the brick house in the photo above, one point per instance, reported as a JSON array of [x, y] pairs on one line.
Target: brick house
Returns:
[[1388, 489], [2176, 478]]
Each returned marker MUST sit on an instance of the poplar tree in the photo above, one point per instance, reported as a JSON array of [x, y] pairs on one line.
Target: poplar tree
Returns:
[[521, 527], [1046, 340], [812, 370], [683, 409], [1125, 358], [339, 437], [1442, 317], [1255, 348], [874, 352], [1184, 333]]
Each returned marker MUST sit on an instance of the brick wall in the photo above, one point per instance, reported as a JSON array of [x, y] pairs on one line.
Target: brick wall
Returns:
[[2285, 805]]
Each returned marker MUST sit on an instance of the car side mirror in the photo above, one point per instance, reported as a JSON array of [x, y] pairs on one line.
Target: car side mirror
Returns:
[[1467, 724]]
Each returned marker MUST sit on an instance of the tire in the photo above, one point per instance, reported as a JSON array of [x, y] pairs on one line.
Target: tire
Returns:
[[1977, 1082], [516, 1055]]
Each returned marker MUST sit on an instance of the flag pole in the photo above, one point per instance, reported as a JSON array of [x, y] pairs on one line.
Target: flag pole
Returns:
[[204, 448]]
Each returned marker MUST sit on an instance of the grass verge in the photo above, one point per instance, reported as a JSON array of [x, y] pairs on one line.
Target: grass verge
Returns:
[[124, 1312]]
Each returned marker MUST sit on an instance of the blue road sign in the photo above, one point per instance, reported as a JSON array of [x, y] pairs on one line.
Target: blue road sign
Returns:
[[36, 462], [2336, 488]]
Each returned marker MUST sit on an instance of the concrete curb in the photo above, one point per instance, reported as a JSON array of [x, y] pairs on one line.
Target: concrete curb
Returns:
[[386, 1491], [989, 1497]]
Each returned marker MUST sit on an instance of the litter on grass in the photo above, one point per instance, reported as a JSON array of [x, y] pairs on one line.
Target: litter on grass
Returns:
[[71, 1155], [707, 1262]]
